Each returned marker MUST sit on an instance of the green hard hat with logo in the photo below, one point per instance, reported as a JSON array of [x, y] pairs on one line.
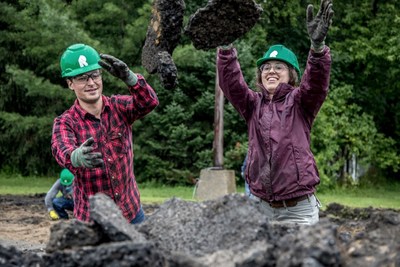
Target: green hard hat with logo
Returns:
[[66, 177], [78, 59], [281, 53]]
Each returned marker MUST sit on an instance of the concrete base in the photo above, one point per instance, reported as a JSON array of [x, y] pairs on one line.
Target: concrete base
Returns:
[[215, 183]]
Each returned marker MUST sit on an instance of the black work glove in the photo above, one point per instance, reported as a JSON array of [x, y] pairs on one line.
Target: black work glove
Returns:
[[118, 68], [318, 27], [84, 157]]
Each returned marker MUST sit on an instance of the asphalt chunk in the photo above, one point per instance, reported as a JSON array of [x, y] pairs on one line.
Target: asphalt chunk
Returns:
[[221, 22]]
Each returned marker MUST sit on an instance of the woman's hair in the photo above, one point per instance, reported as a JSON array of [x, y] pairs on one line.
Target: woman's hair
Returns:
[[293, 77]]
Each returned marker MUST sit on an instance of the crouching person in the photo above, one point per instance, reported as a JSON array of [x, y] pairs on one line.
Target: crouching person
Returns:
[[57, 206]]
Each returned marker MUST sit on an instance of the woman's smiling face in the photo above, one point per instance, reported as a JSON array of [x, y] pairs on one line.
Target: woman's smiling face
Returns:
[[273, 73]]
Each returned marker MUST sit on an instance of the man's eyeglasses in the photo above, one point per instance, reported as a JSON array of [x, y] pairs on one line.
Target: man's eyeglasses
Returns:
[[84, 78], [278, 67]]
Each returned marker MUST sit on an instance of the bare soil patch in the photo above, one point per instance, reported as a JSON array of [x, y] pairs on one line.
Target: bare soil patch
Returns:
[[25, 224]]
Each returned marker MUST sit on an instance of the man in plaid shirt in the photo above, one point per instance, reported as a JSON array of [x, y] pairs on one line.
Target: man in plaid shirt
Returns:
[[93, 139]]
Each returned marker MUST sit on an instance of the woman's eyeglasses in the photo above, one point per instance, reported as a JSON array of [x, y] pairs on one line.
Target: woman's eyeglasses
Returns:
[[278, 67]]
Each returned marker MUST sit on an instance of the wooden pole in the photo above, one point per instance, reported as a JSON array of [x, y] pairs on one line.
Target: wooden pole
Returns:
[[218, 145]]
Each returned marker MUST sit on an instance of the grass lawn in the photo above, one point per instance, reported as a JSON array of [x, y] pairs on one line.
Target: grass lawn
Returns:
[[387, 196], [17, 185]]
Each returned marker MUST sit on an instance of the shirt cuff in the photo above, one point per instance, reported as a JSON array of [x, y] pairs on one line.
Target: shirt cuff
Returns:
[[141, 82]]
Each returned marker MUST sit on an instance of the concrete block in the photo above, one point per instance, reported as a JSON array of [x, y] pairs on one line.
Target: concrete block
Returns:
[[215, 183]]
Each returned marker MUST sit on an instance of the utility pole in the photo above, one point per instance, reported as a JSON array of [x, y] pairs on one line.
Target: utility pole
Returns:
[[218, 145]]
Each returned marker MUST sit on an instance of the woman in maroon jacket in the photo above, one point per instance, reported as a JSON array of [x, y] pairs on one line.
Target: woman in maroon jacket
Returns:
[[281, 169]]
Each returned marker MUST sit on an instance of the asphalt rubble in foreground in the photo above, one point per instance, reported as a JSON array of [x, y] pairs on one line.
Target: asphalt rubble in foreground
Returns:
[[229, 231]]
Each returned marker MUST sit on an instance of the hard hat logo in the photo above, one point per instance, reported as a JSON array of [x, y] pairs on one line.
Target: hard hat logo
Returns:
[[82, 61], [274, 54]]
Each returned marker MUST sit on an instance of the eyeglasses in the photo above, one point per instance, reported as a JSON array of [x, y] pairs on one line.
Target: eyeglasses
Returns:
[[278, 67], [84, 78]]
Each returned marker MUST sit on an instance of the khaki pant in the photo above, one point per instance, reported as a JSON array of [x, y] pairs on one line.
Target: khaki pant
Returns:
[[305, 212]]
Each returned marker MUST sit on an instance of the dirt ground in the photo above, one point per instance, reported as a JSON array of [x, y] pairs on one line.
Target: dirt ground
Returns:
[[25, 224]]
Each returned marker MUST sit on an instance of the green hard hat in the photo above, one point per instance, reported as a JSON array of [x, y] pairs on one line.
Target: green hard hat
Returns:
[[281, 53], [66, 177], [78, 59]]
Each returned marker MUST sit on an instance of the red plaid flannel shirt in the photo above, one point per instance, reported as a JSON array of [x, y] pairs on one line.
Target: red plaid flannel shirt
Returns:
[[113, 138]]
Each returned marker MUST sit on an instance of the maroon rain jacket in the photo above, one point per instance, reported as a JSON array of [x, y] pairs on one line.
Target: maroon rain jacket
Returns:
[[280, 164]]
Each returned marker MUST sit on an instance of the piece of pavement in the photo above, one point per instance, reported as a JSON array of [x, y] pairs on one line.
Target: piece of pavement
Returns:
[[221, 22], [163, 33]]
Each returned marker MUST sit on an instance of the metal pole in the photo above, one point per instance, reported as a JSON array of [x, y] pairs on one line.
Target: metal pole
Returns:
[[218, 145]]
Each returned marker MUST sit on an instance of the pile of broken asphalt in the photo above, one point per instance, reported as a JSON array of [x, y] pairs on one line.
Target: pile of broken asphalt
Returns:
[[229, 231]]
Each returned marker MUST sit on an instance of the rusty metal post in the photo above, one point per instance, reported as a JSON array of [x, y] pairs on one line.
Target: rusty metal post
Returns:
[[218, 145]]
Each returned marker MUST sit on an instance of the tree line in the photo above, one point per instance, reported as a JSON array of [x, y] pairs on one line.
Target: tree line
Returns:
[[359, 119]]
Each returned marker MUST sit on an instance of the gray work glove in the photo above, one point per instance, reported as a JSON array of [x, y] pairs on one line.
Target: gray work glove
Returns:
[[318, 27], [84, 157], [118, 68]]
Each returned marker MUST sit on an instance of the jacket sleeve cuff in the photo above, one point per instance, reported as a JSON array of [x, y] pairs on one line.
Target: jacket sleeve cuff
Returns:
[[140, 82], [223, 51], [319, 54]]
